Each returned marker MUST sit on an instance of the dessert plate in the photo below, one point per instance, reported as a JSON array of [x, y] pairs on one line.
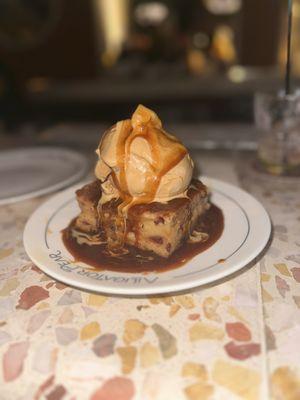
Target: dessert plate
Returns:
[[33, 171], [246, 233]]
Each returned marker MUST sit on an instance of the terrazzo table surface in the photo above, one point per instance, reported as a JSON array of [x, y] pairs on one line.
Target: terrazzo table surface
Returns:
[[235, 339]]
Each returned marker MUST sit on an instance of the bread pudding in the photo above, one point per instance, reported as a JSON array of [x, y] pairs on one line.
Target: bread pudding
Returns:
[[144, 195]]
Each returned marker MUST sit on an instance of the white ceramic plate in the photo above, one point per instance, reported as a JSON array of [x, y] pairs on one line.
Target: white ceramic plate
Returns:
[[32, 171], [246, 233]]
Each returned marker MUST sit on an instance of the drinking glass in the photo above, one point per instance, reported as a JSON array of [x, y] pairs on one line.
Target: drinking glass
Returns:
[[277, 117]]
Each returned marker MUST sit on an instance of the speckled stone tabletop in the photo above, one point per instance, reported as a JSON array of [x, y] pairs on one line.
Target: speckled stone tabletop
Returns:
[[235, 339]]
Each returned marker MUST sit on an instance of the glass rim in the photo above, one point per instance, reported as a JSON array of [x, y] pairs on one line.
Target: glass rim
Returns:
[[278, 95]]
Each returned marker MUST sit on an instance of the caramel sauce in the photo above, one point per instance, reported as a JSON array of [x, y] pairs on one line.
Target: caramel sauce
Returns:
[[160, 165], [147, 126], [136, 260]]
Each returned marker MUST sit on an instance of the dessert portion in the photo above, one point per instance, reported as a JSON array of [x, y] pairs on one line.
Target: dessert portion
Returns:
[[144, 198], [139, 162], [156, 226]]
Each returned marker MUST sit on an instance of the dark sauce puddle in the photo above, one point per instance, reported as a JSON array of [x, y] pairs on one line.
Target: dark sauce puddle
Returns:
[[146, 261]]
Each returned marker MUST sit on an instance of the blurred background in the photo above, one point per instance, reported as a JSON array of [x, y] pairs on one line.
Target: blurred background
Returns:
[[193, 61]]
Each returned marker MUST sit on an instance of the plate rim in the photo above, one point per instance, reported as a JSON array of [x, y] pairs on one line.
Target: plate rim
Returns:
[[164, 289], [82, 171]]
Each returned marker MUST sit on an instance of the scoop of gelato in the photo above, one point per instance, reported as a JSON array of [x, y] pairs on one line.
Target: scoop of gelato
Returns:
[[140, 162]]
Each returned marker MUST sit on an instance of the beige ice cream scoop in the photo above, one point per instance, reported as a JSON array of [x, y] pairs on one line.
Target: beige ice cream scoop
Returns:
[[140, 162]]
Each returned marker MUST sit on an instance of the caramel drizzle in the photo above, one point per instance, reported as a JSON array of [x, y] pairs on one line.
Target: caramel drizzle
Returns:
[[159, 167]]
